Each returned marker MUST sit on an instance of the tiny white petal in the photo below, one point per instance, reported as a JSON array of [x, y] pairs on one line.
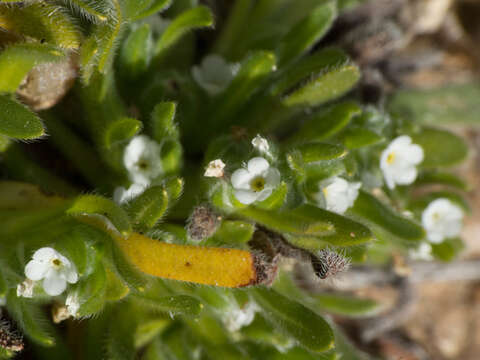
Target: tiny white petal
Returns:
[[257, 166], [399, 160], [72, 303], [264, 194], [214, 74], [235, 318], [442, 219], [246, 196], [44, 254], [339, 194], [261, 144], [122, 195], [3, 301], [215, 169], [241, 179], [25, 288], [272, 177], [71, 275], [142, 160], [54, 285], [423, 252], [36, 270]]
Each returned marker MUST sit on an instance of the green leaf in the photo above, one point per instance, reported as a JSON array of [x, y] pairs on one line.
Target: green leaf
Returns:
[[290, 221], [88, 58], [317, 151], [148, 330], [43, 21], [148, 208], [330, 85], [121, 130], [344, 305], [306, 33], [17, 121], [119, 340], [251, 75], [31, 319], [91, 292], [87, 205], [163, 121], [152, 7], [316, 64], [18, 59], [172, 304], [440, 147], [346, 232], [94, 10], [448, 249], [295, 320], [438, 177], [375, 212], [135, 54], [174, 188], [233, 232], [194, 18], [327, 123], [355, 137], [450, 104]]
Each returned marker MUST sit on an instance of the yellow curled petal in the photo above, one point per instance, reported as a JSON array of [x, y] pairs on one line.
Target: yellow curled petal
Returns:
[[202, 265]]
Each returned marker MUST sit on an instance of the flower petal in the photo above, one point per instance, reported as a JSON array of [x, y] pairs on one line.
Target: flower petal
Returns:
[[264, 194], [71, 274], [36, 270], [415, 154], [45, 254], [241, 178], [257, 166], [273, 177], [246, 196], [54, 285]]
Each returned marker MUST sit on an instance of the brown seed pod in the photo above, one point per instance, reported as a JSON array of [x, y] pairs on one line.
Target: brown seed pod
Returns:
[[9, 338], [202, 223]]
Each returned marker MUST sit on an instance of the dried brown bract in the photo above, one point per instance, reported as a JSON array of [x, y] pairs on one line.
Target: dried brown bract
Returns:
[[202, 223]]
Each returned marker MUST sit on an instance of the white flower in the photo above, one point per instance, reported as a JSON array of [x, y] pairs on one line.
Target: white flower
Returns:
[[256, 182], [235, 318], [261, 144], [214, 74], [399, 160], [54, 268], [423, 252], [339, 194], [3, 301], [215, 169], [122, 195], [142, 159], [442, 219], [73, 304], [25, 288]]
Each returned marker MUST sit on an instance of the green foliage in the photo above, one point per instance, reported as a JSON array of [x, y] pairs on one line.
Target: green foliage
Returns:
[[18, 121]]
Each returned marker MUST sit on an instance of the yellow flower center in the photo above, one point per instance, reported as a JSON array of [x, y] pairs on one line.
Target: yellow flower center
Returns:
[[257, 184], [325, 191], [143, 164], [56, 262], [390, 158]]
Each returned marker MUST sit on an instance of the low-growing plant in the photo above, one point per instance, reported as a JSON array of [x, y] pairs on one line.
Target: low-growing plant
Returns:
[[166, 170]]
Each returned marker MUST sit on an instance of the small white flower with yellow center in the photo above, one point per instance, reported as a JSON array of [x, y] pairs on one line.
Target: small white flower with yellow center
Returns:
[[54, 268], [214, 74], [215, 169], [442, 219], [339, 194], [261, 144], [256, 182], [122, 195], [399, 161], [142, 160]]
